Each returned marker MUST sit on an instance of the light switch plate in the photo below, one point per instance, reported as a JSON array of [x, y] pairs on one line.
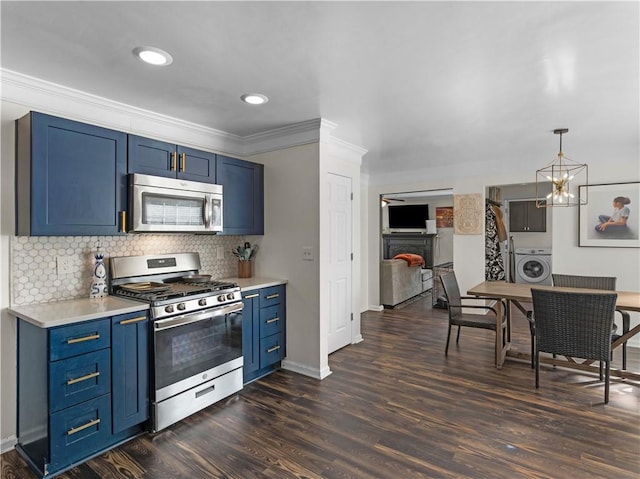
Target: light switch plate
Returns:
[[307, 253]]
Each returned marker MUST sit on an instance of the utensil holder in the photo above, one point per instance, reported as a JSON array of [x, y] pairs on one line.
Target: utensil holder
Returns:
[[244, 269]]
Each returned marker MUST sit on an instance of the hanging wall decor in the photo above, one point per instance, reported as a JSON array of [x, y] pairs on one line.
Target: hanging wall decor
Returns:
[[612, 216], [444, 216], [468, 214]]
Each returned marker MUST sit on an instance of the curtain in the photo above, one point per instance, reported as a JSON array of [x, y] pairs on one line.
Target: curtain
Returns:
[[493, 262]]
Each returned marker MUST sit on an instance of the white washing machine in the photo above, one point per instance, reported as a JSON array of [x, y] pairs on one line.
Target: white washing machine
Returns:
[[533, 265]]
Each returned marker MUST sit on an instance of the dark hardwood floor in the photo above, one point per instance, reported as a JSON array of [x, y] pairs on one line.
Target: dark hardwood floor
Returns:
[[395, 407]]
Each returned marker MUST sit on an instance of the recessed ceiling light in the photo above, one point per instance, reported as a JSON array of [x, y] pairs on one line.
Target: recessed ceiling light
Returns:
[[153, 56], [254, 98]]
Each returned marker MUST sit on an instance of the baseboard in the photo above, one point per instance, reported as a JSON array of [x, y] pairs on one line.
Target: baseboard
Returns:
[[357, 339], [376, 307], [306, 370], [8, 443]]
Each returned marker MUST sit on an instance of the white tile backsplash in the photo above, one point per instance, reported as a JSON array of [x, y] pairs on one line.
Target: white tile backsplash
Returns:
[[34, 278]]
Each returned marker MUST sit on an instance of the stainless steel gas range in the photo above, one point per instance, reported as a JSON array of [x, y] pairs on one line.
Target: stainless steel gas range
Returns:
[[196, 332]]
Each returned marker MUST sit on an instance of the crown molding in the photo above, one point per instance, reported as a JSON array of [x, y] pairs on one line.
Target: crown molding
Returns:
[[47, 97]]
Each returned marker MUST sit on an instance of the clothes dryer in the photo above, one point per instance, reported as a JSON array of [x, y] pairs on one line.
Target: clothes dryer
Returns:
[[533, 265]]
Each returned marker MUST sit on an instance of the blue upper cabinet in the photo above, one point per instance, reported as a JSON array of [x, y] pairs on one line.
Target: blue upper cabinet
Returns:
[[159, 158], [70, 178], [243, 192]]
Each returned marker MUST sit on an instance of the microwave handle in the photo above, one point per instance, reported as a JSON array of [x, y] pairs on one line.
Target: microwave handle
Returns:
[[208, 208]]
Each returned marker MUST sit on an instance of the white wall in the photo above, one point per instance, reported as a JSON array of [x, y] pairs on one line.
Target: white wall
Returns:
[[292, 220]]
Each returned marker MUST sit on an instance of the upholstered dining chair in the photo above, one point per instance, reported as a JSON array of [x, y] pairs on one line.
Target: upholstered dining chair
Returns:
[[576, 325], [598, 282], [458, 318]]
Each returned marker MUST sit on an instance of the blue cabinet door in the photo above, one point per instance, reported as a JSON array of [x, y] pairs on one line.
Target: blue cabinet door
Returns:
[[196, 165], [71, 177], [159, 158], [250, 334], [130, 370], [243, 191], [152, 157]]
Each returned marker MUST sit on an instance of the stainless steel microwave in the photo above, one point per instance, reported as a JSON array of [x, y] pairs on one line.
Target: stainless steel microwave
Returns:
[[168, 205]]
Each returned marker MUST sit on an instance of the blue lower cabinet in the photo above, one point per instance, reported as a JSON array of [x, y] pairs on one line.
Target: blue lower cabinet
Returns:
[[263, 331], [77, 379], [79, 431], [82, 388]]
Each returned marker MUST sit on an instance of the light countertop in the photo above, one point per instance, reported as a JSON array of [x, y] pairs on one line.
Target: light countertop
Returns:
[[248, 284], [47, 315]]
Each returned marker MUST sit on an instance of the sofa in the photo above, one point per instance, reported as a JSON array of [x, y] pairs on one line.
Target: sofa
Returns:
[[399, 281]]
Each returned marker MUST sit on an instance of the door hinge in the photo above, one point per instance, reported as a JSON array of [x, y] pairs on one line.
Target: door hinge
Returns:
[[351, 256], [351, 316]]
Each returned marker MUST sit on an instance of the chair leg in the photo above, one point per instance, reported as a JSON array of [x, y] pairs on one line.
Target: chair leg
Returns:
[[533, 349], [458, 336], [537, 361], [446, 348], [600, 371], [606, 382], [624, 356]]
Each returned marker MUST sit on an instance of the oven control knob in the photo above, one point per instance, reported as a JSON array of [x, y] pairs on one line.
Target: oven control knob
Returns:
[[169, 309], [229, 295], [182, 306], [202, 302], [221, 298]]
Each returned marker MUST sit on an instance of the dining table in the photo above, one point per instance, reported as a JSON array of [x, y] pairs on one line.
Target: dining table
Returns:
[[514, 294]]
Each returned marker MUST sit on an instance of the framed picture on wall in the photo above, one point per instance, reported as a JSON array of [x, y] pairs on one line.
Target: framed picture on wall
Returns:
[[611, 218], [444, 216]]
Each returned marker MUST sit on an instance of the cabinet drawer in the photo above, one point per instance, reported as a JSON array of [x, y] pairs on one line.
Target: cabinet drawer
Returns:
[[80, 338], [271, 320], [271, 349], [79, 431], [78, 379], [271, 296]]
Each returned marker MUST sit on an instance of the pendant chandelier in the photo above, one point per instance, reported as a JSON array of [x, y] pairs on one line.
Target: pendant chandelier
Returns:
[[564, 176]]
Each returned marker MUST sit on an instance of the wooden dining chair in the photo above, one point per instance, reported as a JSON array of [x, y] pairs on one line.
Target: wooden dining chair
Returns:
[[598, 282], [576, 325], [455, 303]]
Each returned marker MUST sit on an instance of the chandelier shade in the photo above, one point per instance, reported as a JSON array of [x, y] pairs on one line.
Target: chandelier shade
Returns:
[[564, 176]]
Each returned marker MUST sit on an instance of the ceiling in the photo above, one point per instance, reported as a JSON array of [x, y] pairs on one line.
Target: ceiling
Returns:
[[420, 85]]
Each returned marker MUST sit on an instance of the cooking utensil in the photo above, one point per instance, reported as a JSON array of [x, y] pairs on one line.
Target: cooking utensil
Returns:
[[146, 287], [197, 278]]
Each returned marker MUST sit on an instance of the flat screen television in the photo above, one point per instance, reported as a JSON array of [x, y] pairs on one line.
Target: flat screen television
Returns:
[[408, 216]]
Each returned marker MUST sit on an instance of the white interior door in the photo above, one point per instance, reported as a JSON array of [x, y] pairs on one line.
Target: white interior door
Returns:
[[340, 261]]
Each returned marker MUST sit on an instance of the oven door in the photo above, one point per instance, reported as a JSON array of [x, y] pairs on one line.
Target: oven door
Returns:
[[195, 347]]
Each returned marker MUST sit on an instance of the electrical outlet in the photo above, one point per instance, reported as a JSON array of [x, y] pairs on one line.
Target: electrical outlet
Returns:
[[220, 252], [63, 264], [307, 253]]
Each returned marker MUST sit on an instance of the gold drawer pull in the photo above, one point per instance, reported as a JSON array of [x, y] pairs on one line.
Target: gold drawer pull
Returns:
[[271, 296], [275, 348], [174, 158], [133, 320], [249, 296], [83, 378], [269, 321], [84, 426], [86, 338], [183, 162]]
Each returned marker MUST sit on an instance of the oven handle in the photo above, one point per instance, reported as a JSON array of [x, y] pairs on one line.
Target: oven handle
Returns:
[[162, 324]]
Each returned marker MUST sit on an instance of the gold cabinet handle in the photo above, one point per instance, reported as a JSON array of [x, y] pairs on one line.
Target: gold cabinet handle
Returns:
[[249, 296], [273, 320], [123, 222], [271, 296], [83, 378], [85, 338], [275, 348], [183, 161], [174, 160], [84, 426], [133, 320]]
